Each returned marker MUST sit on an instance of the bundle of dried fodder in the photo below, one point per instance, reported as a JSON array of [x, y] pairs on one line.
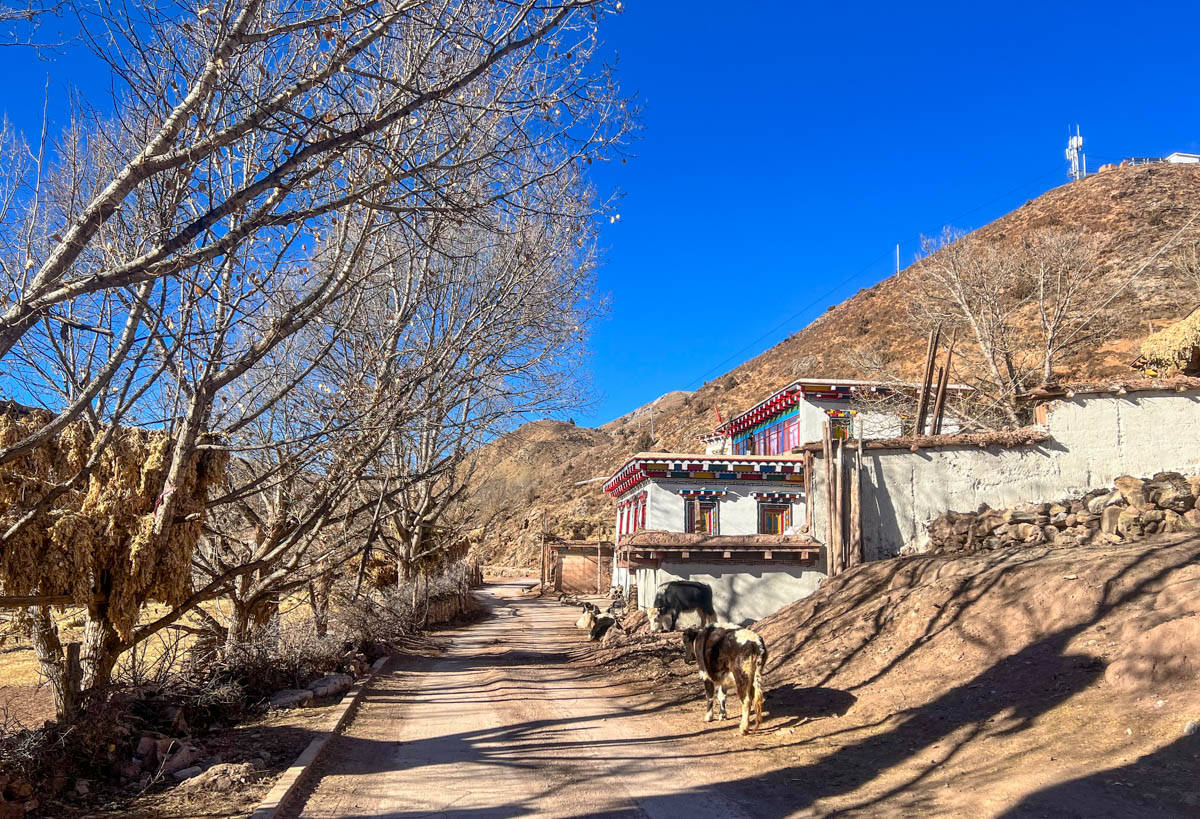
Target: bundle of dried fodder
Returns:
[[1175, 349], [99, 532]]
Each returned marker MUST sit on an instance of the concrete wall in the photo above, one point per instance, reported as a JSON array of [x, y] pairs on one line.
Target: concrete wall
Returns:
[[1093, 439], [737, 510], [742, 593]]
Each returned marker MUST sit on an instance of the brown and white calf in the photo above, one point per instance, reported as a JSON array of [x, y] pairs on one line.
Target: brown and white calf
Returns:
[[729, 657]]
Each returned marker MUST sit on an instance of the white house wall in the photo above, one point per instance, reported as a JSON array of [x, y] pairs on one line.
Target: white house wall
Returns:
[[737, 509], [1093, 440], [742, 593]]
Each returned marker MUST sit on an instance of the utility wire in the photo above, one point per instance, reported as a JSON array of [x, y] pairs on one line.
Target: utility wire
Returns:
[[853, 278]]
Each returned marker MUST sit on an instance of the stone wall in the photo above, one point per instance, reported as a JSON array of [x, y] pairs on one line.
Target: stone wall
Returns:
[[1093, 439], [1131, 509]]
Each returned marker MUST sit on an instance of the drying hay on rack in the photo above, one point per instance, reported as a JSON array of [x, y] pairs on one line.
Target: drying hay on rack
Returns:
[[1175, 349], [103, 525]]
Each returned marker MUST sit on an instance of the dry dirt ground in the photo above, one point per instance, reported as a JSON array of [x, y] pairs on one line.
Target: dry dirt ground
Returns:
[[519, 718]]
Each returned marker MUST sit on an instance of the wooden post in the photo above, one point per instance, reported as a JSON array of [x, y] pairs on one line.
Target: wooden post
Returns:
[[808, 496], [856, 550], [926, 382], [827, 463], [599, 562], [939, 405], [839, 504], [73, 678]]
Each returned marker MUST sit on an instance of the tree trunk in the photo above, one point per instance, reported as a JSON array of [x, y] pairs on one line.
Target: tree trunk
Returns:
[[60, 668], [425, 617], [319, 591], [102, 645]]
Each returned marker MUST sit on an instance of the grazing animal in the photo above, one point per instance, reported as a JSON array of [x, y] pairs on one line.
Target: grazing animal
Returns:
[[590, 612], [594, 622], [679, 596], [728, 656]]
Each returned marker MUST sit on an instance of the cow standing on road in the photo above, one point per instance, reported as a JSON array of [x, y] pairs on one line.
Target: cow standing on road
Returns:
[[729, 656], [679, 596]]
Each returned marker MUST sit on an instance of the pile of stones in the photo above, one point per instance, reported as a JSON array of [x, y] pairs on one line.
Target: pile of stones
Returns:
[[1132, 508]]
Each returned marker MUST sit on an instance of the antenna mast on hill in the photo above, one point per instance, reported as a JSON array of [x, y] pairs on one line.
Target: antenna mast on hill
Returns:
[[1076, 156]]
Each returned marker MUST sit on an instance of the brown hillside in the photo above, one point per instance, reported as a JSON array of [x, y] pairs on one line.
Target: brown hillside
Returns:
[[1133, 210]]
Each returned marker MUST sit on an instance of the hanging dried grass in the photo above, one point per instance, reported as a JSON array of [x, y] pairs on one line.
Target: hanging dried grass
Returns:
[[104, 525], [1173, 349]]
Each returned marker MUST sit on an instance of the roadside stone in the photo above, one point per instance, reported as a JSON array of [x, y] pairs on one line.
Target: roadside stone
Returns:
[[331, 685], [183, 758], [146, 746], [188, 773], [1154, 515], [1110, 518], [291, 698], [1170, 490], [1191, 728], [1131, 490], [1129, 522], [1024, 531]]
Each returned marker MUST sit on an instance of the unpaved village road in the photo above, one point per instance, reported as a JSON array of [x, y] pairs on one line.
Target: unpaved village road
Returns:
[[501, 725]]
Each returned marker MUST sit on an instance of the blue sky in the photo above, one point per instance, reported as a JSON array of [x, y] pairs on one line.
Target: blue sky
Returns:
[[787, 147]]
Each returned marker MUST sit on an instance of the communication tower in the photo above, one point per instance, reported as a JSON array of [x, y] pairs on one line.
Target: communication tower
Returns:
[[1075, 156]]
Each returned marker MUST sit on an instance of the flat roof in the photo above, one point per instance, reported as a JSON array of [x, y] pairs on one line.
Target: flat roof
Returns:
[[820, 385]]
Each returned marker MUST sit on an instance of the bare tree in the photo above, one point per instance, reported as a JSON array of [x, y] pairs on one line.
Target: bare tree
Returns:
[[300, 225], [1022, 305]]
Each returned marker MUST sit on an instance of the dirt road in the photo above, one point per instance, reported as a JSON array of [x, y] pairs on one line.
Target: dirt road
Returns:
[[502, 725]]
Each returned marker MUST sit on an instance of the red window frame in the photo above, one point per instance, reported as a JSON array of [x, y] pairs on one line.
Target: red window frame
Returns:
[[693, 506]]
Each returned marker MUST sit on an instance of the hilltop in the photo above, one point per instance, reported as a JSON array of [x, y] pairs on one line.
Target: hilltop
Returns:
[[547, 468]]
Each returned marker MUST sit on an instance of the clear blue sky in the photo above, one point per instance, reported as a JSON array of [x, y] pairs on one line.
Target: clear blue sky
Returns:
[[787, 147]]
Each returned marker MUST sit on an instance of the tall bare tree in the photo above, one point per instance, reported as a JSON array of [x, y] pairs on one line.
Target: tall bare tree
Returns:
[[276, 179], [1022, 305]]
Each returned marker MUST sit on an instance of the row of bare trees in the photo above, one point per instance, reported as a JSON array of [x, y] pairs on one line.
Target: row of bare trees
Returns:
[[344, 242]]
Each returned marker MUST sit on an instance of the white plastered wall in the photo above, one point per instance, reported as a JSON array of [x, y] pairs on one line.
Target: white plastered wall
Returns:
[[737, 509], [742, 593], [1093, 440]]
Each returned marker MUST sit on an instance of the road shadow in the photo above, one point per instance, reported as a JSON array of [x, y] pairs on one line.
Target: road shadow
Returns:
[[1146, 787]]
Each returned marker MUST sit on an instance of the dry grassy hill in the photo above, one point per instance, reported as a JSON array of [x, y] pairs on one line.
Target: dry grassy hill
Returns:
[[544, 468]]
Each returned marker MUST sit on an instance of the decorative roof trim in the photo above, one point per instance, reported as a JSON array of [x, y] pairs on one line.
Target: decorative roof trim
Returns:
[[668, 465]]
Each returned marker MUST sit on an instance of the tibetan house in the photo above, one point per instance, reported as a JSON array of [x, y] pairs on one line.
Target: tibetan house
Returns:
[[737, 523], [798, 413]]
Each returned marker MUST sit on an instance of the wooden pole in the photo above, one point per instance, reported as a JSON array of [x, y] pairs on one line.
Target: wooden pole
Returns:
[[839, 502], [856, 551], [926, 381], [939, 405], [827, 464], [543, 550], [22, 601], [599, 562], [808, 497]]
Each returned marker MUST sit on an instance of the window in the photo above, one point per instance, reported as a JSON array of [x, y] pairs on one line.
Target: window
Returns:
[[775, 439], [642, 514], [700, 516], [774, 518]]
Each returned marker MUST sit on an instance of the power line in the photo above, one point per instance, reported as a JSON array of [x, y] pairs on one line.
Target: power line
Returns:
[[854, 277], [849, 279]]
